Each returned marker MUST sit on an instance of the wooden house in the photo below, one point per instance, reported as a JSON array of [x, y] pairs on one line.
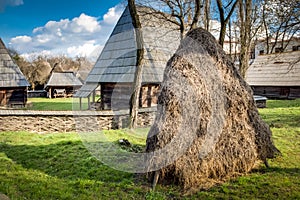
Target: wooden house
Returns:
[[276, 75], [13, 84], [62, 84], [115, 68]]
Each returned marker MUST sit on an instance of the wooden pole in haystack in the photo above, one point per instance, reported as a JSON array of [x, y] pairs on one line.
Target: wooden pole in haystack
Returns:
[[134, 102]]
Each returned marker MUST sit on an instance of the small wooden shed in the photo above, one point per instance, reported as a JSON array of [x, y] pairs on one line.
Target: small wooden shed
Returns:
[[62, 84], [115, 68], [13, 84], [276, 75]]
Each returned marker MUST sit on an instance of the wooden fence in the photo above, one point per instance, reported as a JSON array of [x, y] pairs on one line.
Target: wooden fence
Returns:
[[71, 121]]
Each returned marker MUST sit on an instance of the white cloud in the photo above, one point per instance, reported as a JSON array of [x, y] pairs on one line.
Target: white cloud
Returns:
[[81, 24], [112, 16], [87, 23], [81, 36], [83, 50], [42, 39], [4, 3], [21, 39]]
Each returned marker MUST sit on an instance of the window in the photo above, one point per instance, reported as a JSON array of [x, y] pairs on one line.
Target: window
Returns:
[[278, 62], [278, 50], [296, 48], [261, 52]]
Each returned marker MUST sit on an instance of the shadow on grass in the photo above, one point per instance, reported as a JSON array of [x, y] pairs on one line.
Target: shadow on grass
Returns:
[[279, 170], [71, 160], [67, 160]]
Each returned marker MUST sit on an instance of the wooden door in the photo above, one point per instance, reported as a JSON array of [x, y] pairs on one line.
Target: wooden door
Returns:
[[2, 97]]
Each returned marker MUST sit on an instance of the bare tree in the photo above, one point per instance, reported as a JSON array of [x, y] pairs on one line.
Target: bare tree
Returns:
[[197, 14], [245, 18], [206, 18], [224, 20], [38, 69], [185, 14], [281, 22], [36, 72]]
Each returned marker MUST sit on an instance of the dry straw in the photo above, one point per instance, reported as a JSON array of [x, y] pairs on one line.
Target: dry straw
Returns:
[[204, 100]]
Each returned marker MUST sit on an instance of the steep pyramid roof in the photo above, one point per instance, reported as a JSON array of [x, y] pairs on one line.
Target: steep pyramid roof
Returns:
[[116, 63], [10, 73]]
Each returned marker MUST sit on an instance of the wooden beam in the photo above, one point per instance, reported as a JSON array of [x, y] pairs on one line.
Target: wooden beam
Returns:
[[80, 103], [50, 92], [94, 96]]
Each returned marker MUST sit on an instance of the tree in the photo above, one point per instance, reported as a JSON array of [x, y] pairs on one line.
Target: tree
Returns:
[[134, 104], [245, 14], [38, 69], [281, 22], [185, 14], [40, 72], [230, 6], [206, 18], [278, 19]]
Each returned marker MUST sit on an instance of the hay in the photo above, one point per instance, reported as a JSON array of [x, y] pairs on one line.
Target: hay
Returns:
[[207, 129]]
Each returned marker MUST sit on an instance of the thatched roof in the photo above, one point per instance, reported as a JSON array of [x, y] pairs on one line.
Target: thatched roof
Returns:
[[207, 127], [280, 69], [117, 60], [61, 79], [10, 74]]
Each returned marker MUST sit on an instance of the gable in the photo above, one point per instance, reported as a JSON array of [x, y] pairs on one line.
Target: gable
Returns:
[[117, 60], [10, 73], [63, 79]]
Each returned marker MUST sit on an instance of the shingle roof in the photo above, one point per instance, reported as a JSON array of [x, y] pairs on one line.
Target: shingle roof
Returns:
[[117, 60], [10, 74], [63, 79], [86, 89], [281, 69]]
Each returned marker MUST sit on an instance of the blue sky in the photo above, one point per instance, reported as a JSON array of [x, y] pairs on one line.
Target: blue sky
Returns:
[[64, 27]]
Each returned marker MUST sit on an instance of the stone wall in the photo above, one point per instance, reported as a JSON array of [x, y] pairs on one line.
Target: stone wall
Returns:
[[69, 121]]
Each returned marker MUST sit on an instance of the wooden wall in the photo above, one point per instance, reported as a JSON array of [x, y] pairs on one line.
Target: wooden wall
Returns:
[[70, 90], [295, 92], [280, 92], [116, 96], [10, 96], [149, 95]]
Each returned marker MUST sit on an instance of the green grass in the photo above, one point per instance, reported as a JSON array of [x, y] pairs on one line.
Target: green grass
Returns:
[[57, 104], [282, 114], [58, 166]]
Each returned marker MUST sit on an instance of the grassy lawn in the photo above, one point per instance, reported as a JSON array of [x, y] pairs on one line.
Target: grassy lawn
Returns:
[[58, 166], [57, 104]]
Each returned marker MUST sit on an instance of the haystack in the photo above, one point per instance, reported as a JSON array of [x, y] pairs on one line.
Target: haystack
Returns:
[[207, 128]]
